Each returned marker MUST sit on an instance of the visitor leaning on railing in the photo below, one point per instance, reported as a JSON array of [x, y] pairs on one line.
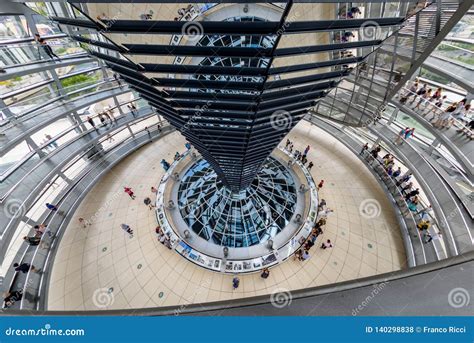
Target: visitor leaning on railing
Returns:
[[404, 188]]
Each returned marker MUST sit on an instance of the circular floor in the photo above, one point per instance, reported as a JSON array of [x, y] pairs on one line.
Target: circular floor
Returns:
[[100, 267]]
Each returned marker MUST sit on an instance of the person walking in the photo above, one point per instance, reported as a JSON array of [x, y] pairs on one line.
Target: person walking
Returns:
[[421, 91], [127, 229], [410, 133], [154, 190], [91, 122], [129, 191], [33, 241], [320, 184], [25, 268], [42, 42], [265, 273], [306, 150], [310, 165], [41, 229], [401, 135], [51, 207]]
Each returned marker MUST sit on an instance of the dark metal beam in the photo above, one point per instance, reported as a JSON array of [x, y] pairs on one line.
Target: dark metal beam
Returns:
[[201, 70], [324, 48], [203, 51]]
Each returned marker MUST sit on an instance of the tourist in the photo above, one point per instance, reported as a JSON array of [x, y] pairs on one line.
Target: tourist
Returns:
[[235, 283], [84, 222], [52, 144], [132, 108], [147, 202], [129, 191], [265, 273], [165, 164], [306, 150], [365, 147], [424, 225], [91, 122], [177, 156], [408, 134], [321, 205], [127, 229], [427, 237], [305, 255], [421, 91], [412, 194], [411, 92], [326, 245], [40, 229], [320, 184], [51, 207], [407, 187], [401, 135], [310, 165], [46, 47], [32, 240], [12, 297], [397, 172], [25, 268], [154, 190]]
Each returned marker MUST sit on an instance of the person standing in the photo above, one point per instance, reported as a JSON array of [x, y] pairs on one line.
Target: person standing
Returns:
[[310, 165], [165, 165], [147, 202], [410, 133], [265, 273], [326, 245], [91, 122], [400, 135], [129, 191], [320, 184], [46, 47], [397, 172], [235, 283], [41, 229], [365, 147], [306, 150]]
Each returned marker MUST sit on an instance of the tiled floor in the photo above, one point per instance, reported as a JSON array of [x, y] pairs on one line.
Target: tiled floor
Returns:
[[143, 273]]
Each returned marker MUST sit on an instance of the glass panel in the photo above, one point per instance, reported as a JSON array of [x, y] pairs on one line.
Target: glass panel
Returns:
[[13, 27]]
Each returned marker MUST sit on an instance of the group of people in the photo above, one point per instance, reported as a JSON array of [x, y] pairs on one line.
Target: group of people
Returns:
[[303, 254], [106, 117], [431, 101], [182, 12], [298, 155]]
